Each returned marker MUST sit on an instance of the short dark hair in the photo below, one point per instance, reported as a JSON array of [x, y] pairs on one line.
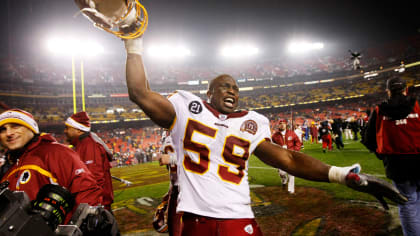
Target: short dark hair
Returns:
[[211, 84]]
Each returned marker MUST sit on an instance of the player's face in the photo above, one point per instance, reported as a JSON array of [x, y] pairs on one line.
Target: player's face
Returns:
[[224, 95], [14, 136]]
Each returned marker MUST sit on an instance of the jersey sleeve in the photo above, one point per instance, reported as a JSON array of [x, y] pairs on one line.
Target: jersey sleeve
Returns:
[[263, 132], [180, 101]]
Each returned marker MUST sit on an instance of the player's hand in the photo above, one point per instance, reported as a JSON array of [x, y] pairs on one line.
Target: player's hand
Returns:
[[377, 187], [164, 159], [84, 3]]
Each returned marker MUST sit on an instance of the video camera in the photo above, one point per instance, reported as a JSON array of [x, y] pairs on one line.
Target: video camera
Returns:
[[44, 216]]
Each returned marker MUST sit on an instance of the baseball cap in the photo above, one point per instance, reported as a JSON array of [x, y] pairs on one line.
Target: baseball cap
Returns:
[[395, 84]]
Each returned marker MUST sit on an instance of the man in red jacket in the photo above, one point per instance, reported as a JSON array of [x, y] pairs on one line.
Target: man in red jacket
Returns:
[[93, 152], [288, 140], [35, 160]]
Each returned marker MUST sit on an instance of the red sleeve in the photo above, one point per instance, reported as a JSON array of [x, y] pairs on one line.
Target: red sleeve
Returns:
[[276, 139], [297, 143], [71, 173], [93, 156]]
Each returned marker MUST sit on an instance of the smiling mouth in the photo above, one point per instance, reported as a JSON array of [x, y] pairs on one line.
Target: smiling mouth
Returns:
[[229, 102], [11, 141]]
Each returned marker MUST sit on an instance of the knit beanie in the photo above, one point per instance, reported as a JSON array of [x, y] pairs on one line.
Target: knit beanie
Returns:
[[79, 121], [20, 117]]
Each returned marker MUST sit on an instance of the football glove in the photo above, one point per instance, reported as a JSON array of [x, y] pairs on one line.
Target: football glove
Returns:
[[377, 187]]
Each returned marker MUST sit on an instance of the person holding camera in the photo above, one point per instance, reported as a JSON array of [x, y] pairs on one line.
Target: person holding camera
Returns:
[[36, 159]]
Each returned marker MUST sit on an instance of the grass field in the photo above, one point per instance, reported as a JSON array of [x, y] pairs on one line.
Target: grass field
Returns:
[[151, 181]]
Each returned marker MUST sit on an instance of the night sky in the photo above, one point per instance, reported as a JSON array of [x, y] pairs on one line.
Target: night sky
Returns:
[[26, 24]]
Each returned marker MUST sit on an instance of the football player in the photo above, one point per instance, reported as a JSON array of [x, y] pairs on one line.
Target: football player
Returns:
[[213, 142], [166, 218]]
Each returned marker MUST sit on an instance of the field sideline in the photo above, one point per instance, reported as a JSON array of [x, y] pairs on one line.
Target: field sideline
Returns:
[[134, 205]]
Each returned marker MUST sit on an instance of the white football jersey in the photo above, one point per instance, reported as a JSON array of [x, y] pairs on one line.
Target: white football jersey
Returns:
[[168, 148], [213, 151]]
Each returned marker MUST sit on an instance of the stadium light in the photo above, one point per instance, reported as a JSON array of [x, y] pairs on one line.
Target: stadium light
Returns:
[[72, 46], [239, 51], [165, 51], [75, 47], [304, 47]]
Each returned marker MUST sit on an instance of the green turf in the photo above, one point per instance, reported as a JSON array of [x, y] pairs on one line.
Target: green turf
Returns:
[[260, 173], [153, 190]]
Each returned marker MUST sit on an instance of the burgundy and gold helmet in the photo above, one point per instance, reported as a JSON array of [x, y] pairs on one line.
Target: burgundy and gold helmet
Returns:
[[160, 219], [126, 19]]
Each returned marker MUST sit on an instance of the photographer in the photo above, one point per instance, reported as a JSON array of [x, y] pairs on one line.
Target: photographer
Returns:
[[38, 159], [393, 134]]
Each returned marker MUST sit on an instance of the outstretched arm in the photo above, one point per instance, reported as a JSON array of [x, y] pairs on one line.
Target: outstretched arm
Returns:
[[304, 166], [295, 163], [156, 106]]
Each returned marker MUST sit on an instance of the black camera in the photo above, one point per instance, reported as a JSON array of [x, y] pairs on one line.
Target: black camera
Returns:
[[44, 216]]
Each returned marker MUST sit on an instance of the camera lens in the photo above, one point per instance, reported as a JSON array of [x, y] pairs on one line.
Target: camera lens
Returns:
[[53, 202]]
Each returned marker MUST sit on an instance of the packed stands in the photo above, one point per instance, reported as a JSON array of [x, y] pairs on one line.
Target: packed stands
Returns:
[[313, 89]]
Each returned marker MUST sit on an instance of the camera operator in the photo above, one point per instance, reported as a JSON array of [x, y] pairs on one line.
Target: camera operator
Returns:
[[38, 159], [393, 134]]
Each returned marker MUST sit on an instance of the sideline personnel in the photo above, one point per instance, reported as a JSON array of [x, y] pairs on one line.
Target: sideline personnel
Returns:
[[393, 133], [93, 152], [38, 159]]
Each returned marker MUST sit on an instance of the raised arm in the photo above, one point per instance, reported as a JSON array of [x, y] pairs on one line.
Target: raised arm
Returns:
[[157, 107]]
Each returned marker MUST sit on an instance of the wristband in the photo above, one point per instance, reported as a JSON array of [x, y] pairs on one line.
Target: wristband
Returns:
[[134, 46], [338, 174]]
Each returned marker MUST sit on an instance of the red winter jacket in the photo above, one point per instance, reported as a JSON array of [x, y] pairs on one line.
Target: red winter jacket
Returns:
[[97, 160], [44, 161], [291, 140]]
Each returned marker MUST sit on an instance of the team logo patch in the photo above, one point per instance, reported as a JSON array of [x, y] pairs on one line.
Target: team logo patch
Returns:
[[79, 171], [223, 116], [249, 229], [195, 107], [25, 177], [249, 126]]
